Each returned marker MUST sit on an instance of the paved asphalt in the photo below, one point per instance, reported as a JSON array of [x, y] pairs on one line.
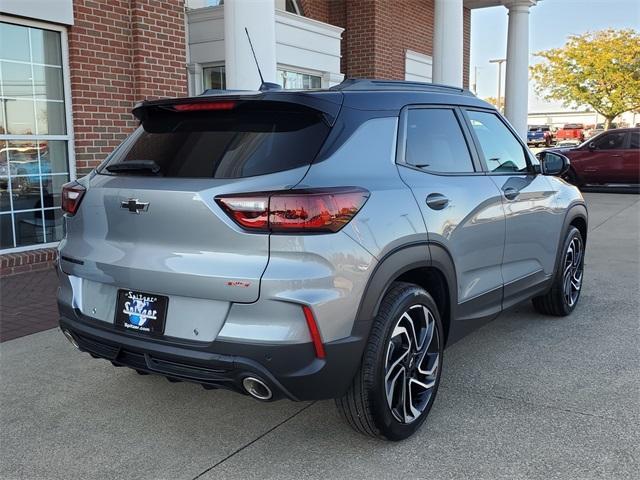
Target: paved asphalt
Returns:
[[526, 396]]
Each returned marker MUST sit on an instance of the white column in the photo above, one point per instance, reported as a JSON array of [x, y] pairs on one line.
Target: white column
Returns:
[[448, 38], [194, 74], [516, 96], [258, 16]]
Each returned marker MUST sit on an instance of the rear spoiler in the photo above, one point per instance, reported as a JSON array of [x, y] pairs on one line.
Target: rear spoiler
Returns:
[[326, 102]]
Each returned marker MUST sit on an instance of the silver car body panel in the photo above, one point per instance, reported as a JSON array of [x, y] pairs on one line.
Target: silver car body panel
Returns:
[[471, 227]]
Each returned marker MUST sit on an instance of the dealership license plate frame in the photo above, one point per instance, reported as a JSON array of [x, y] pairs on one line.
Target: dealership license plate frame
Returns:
[[151, 326]]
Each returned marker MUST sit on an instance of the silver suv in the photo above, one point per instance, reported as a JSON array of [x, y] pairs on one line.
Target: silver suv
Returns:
[[318, 244]]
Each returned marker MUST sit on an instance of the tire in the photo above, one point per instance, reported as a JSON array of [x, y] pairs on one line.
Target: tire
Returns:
[[366, 406], [564, 294]]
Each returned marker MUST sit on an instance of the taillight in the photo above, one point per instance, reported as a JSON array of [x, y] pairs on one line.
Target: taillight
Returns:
[[295, 211], [72, 194]]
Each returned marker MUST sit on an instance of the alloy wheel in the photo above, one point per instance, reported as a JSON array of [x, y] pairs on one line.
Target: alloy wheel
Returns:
[[573, 269], [412, 363]]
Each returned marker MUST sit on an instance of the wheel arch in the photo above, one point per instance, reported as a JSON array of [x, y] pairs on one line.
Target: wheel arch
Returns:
[[428, 265], [576, 216]]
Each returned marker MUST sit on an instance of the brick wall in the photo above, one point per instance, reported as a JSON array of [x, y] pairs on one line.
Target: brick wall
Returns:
[[379, 32], [466, 47], [316, 9], [31, 261], [121, 52]]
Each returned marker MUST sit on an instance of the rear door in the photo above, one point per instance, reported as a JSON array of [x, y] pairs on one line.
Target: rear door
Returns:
[[461, 206], [631, 159], [528, 199], [149, 220]]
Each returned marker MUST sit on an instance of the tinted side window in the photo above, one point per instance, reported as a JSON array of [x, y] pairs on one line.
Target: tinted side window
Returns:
[[610, 141], [634, 141], [502, 151], [435, 141]]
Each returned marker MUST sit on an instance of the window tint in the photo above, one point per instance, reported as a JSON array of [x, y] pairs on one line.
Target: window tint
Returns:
[[502, 151], [435, 141], [225, 144], [610, 141], [634, 141]]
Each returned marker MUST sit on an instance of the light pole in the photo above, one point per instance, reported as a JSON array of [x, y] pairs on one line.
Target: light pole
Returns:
[[499, 61], [475, 79]]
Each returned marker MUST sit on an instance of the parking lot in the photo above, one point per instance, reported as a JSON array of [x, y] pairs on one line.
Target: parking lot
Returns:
[[524, 397]]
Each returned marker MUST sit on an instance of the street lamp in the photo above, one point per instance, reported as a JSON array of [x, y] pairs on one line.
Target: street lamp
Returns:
[[474, 87], [499, 61]]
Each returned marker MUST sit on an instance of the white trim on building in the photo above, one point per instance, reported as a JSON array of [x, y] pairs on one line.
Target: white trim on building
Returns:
[[418, 67], [56, 11]]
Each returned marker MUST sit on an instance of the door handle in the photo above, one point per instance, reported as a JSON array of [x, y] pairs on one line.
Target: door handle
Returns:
[[510, 193], [616, 155], [437, 201]]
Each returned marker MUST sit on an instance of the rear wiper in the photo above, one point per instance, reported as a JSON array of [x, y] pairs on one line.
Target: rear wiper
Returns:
[[142, 166]]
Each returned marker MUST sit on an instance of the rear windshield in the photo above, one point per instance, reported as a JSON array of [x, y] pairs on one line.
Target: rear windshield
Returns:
[[226, 144]]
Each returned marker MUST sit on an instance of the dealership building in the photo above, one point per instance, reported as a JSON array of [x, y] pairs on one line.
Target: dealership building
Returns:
[[71, 70]]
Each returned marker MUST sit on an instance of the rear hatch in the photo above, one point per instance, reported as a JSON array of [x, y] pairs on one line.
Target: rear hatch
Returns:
[[148, 220]]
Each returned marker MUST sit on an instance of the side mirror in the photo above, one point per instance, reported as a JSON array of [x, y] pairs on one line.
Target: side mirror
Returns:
[[591, 146], [553, 163]]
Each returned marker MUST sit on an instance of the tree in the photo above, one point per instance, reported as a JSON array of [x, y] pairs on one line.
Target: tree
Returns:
[[494, 101], [599, 69]]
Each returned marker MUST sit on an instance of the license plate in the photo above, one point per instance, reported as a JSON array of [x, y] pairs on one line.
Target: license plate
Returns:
[[141, 312]]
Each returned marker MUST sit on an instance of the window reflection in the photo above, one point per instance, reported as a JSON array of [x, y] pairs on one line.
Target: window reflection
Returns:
[[298, 81]]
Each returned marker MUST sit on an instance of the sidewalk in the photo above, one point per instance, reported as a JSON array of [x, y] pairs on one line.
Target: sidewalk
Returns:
[[28, 304]]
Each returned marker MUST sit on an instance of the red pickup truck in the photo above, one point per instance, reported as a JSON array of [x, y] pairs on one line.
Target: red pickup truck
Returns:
[[571, 131]]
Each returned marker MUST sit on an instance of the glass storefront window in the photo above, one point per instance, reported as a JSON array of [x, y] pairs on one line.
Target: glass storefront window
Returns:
[[297, 80], [34, 144]]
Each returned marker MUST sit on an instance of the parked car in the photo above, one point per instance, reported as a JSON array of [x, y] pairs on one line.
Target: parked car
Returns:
[[538, 135], [315, 245], [21, 164], [612, 157], [571, 131], [596, 129]]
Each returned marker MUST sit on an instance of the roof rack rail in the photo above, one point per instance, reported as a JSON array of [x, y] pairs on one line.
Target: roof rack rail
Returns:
[[360, 84]]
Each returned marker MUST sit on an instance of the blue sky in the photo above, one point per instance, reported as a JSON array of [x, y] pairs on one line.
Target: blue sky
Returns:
[[551, 22]]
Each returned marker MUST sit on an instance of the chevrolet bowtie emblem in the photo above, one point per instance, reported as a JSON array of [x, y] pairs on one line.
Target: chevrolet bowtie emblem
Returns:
[[134, 206]]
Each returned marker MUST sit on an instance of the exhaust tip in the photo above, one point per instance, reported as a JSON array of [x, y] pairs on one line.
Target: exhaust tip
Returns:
[[69, 337], [257, 388]]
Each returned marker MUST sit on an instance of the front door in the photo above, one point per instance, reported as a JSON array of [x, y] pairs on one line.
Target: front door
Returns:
[[461, 206], [603, 162], [532, 235]]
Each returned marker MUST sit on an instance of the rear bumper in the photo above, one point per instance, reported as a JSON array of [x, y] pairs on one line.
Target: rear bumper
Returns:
[[291, 371]]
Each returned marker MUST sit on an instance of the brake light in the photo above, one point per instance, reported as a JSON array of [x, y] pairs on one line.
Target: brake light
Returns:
[[200, 106], [295, 211], [72, 194]]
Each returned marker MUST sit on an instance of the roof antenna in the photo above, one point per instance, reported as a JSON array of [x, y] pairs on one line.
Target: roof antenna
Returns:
[[264, 86]]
